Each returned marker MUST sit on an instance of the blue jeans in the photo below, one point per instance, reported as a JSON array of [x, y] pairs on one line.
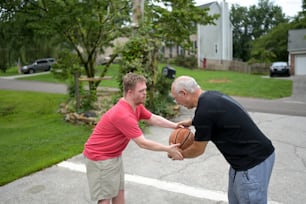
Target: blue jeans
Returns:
[[251, 186]]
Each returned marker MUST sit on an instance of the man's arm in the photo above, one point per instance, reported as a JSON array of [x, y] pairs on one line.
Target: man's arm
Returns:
[[195, 150], [162, 122], [172, 150]]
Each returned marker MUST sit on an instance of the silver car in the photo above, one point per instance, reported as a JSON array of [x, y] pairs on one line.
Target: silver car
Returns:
[[279, 68], [39, 65]]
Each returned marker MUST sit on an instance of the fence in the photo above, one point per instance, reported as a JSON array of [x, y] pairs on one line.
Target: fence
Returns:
[[78, 80], [237, 66]]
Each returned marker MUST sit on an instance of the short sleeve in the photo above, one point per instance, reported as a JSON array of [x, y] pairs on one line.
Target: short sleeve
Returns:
[[143, 113], [203, 126], [129, 127]]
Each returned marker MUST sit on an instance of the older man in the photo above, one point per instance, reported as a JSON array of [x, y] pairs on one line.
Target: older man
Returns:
[[222, 120]]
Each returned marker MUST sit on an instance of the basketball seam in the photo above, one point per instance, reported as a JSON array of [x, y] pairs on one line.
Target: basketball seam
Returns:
[[186, 138], [177, 135]]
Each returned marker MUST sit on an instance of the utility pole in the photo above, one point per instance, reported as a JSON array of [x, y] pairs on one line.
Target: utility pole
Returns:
[[138, 12]]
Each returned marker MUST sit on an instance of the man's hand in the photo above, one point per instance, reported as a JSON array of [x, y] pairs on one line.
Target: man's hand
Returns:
[[178, 125], [185, 123], [175, 153]]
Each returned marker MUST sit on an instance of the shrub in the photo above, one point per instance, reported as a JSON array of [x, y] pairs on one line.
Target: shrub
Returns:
[[186, 61]]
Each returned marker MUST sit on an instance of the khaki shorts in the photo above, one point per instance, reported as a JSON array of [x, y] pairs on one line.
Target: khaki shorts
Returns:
[[105, 178]]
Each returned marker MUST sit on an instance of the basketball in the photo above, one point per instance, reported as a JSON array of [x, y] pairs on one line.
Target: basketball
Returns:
[[184, 136]]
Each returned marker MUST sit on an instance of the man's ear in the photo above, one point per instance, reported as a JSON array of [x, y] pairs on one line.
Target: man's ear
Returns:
[[129, 91], [183, 92]]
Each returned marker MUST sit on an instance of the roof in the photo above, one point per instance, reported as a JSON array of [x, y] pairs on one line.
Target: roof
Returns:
[[208, 4], [297, 40]]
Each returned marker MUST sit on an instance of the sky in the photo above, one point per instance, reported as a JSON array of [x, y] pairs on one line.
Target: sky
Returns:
[[289, 7]]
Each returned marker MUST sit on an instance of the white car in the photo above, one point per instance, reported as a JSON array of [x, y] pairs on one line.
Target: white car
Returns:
[[279, 68]]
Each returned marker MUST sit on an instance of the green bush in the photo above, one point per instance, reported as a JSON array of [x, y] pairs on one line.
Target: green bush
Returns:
[[139, 55], [189, 62], [162, 102]]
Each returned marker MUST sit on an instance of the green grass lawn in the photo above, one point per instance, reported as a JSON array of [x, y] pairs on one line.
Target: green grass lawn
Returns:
[[10, 71], [113, 71], [33, 135], [240, 84]]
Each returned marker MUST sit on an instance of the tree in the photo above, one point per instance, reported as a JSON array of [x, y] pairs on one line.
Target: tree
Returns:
[[169, 22], [86, 27], [273, 45], [252, 23], [4, 46], [19, 41], [241, 32], [300, 19], [264, 17], [89, 29]]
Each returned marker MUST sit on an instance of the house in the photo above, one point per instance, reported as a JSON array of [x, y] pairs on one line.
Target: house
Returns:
[[297, 51], [118, 42], [213, 43]]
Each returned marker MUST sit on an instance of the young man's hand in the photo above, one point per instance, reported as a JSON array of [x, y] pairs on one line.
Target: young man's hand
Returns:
[[185, 123], [175, 153]]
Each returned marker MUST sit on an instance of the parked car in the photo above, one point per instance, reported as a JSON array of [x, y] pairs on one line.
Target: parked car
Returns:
[[279, 68], [39, 65]]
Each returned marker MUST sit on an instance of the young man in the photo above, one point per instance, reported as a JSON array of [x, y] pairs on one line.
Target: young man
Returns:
[[222, 120], [112, 134]]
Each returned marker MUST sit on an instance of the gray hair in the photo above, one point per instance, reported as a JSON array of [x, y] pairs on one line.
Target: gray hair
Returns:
[[185, 82]]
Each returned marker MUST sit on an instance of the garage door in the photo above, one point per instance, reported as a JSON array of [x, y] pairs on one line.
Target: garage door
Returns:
[[300, 65]]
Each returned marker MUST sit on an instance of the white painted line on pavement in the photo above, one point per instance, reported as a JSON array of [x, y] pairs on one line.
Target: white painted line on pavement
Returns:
[[295, 102], [73, 166], [178, 188], [163, 185]]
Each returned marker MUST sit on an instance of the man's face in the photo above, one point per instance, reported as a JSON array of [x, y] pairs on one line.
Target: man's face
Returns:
[[182, 98], [139, 93]]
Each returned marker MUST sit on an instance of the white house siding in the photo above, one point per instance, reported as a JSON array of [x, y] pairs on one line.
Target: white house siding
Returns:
[[215, 41], [297, 51], [174, 50], [209, 37], [227, 33]]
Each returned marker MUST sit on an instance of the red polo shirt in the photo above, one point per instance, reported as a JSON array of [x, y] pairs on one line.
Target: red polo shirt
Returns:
[[114, 131]]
